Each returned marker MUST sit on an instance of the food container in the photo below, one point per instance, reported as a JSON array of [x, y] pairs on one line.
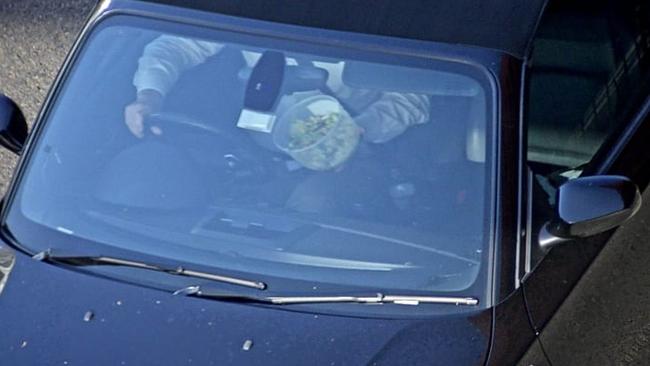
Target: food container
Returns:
[[316, 131]]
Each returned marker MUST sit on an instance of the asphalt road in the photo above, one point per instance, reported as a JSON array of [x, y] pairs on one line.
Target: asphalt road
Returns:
[[35, 36], [606, 320]]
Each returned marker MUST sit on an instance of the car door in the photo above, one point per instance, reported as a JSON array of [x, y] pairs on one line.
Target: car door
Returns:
[[585, 107]]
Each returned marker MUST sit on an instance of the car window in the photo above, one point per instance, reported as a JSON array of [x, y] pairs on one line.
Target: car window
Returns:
[[588, 75], [276, 159]]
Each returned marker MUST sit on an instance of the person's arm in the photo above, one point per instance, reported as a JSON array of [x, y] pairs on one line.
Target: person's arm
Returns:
[[382, 115], [166, 58], [162, 62], [392, 114]]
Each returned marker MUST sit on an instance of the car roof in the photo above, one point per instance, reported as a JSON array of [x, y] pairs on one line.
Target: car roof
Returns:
[[505, 25]]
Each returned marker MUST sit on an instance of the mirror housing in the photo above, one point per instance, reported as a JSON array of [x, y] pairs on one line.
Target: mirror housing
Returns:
[[590, 205], [13, 127]]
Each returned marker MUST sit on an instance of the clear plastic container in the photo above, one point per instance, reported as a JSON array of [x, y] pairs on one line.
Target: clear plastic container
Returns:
[[316, 131]]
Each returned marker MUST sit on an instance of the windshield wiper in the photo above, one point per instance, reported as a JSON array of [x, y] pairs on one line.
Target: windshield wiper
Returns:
[[47, 256], [197, 291]]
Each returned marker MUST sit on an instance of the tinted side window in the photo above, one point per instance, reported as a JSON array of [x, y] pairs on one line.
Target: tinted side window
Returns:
[[589, 72]]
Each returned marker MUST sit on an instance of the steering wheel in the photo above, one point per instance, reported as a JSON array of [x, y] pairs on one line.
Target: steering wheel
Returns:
[[231, 157]]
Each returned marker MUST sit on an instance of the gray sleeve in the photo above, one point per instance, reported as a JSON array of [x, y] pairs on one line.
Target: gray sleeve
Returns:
[[166, 58], [392, 114]]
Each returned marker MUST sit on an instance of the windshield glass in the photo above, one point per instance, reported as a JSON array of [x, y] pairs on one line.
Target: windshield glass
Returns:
[[282, 161]]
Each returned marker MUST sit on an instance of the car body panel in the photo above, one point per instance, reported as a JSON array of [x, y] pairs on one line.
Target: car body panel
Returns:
[[54, 315]]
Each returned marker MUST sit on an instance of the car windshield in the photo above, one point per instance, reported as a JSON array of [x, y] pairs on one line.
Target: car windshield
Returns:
[[283, 160]]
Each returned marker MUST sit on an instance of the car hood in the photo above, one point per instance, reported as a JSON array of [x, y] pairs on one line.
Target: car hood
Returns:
[[55, 316]]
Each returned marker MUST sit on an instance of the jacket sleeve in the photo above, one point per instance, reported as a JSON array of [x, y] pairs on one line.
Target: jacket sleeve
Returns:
[[392, 114], [165, 58]]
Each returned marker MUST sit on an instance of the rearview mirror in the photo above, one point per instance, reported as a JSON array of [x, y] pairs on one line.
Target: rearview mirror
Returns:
[[13, 127], [590, 205]]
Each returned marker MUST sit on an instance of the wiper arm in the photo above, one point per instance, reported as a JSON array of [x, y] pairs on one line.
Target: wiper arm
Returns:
[[47, 256], [294, 300]]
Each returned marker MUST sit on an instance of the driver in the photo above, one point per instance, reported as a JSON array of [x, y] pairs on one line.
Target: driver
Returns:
[[381, 115]]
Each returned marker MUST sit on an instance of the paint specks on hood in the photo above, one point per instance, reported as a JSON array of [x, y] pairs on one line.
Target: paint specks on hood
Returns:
[[88, 316], [248, 344]]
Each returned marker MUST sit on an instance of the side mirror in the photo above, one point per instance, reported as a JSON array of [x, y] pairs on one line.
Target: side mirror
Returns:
[[590, 205], [13, 127]]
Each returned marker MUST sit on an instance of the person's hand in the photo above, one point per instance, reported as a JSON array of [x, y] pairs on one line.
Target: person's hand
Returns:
[[147, 102]]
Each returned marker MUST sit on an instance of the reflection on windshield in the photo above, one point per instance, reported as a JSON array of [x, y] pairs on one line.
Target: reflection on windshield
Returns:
[[252, 155]]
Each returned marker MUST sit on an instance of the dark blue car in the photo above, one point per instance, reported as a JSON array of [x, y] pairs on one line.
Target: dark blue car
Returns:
[[320, 182]]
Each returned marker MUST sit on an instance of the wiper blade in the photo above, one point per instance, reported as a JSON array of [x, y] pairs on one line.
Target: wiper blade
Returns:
[[197, 291], [47, 256]]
